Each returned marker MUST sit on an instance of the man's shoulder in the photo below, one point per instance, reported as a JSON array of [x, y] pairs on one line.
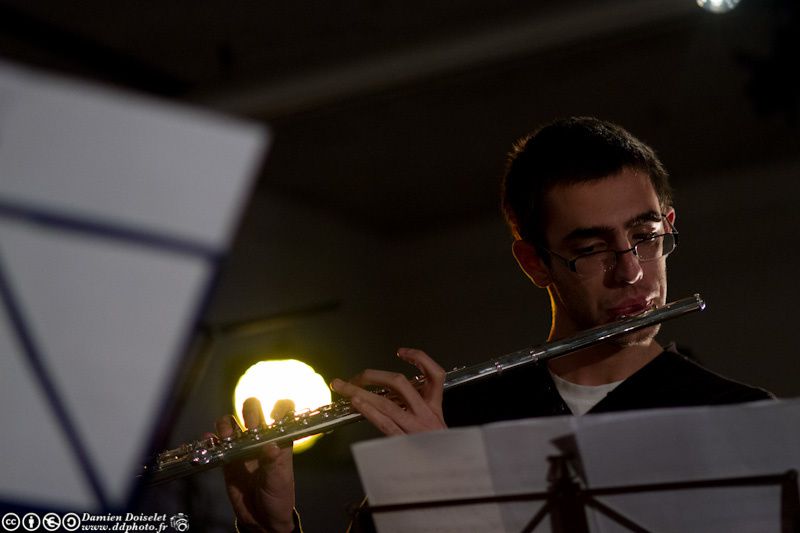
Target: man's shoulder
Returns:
[[691, 380], [674, 380]]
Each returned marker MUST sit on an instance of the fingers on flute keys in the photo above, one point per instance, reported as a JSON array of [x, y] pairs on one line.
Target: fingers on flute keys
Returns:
[[412, 410], [433, 387], [253, 417], [261, 490]]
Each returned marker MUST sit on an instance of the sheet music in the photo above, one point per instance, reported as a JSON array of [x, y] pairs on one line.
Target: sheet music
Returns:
[[673, 445], [615, 450], [523, 473], [433, 466], [460, 463]]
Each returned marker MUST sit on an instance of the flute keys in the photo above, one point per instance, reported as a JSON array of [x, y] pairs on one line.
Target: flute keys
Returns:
[[201, 457]]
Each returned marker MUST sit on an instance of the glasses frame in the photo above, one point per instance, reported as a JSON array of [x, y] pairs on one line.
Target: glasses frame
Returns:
[[571, 262]]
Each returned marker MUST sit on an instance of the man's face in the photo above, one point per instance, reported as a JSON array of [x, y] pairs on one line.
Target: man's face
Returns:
[[610, 213]]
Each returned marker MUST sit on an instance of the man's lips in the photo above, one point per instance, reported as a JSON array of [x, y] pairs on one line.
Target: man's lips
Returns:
[[630, 308]]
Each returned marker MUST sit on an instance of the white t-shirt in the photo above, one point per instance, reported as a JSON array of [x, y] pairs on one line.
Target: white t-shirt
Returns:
[[581, 398]]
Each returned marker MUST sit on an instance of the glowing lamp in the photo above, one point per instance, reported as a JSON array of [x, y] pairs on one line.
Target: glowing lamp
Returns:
[[288, 379], [717, 6]]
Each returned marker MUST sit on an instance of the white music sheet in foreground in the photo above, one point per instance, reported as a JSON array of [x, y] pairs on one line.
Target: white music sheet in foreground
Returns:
[[499, 459], [616, 450], [692, 444], [113, 211]]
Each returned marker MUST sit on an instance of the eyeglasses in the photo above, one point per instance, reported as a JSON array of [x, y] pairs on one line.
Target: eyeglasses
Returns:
[[648, 249]]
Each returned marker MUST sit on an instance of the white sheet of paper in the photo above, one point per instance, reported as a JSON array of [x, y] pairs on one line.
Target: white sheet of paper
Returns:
[[110, 320], [514, 472], [461, 463], [426, 467], [32, 431], [106, 155], [109, 316], [616, 450], [693, 444]]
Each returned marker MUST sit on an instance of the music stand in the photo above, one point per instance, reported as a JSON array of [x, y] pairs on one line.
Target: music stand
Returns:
[[648, 463], [115, 211], [566, 499]]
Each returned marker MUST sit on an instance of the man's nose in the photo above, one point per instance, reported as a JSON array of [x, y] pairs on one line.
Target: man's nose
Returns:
[[628, 269]]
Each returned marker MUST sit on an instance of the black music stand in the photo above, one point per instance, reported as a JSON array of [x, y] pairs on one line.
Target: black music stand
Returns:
[[115, 212], [566, 500]]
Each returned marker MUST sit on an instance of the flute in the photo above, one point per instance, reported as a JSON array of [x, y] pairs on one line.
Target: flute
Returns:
[[209, 453]]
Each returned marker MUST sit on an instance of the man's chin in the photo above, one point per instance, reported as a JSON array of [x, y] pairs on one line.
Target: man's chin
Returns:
[[642, 337]]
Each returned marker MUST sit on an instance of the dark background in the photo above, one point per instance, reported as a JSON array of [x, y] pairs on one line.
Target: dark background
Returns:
[[374, 223]]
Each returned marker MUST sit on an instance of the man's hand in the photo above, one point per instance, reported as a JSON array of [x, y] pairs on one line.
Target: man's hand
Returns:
[[261, 490], [421, 411]]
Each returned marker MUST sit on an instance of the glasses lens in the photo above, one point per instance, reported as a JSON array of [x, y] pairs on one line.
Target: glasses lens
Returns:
[[656, 247], [589, 265], [647, 250]]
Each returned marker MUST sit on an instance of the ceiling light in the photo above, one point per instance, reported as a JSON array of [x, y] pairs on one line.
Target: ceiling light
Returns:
[[718, 6]]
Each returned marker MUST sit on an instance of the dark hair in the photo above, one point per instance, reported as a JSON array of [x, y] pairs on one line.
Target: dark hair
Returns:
[[568, 151]]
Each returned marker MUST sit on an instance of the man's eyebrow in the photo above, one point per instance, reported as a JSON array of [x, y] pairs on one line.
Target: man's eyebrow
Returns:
[[638, 220], [588, 233], [596, 231]]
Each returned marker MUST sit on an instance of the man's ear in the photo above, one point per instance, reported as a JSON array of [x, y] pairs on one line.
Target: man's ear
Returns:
[[670, 214], [531, 263]]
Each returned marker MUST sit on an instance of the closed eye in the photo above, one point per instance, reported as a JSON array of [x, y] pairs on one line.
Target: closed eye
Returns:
[[645, 236], [586, 250]]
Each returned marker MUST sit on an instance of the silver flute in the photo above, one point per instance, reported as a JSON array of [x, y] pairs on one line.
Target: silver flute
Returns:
[[205, 454]]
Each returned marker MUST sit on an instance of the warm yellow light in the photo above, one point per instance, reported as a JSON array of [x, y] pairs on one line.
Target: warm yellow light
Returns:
[[287, 379]]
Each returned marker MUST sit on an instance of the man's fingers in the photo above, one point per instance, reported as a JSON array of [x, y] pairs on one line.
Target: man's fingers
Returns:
[[397, 383], [252, 414], [386, 424], [261, 489], [281, 409], [431, 391], [272, 452], [434, 374], [387, 415], [359, 396], [226, 426], [382, 378]]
